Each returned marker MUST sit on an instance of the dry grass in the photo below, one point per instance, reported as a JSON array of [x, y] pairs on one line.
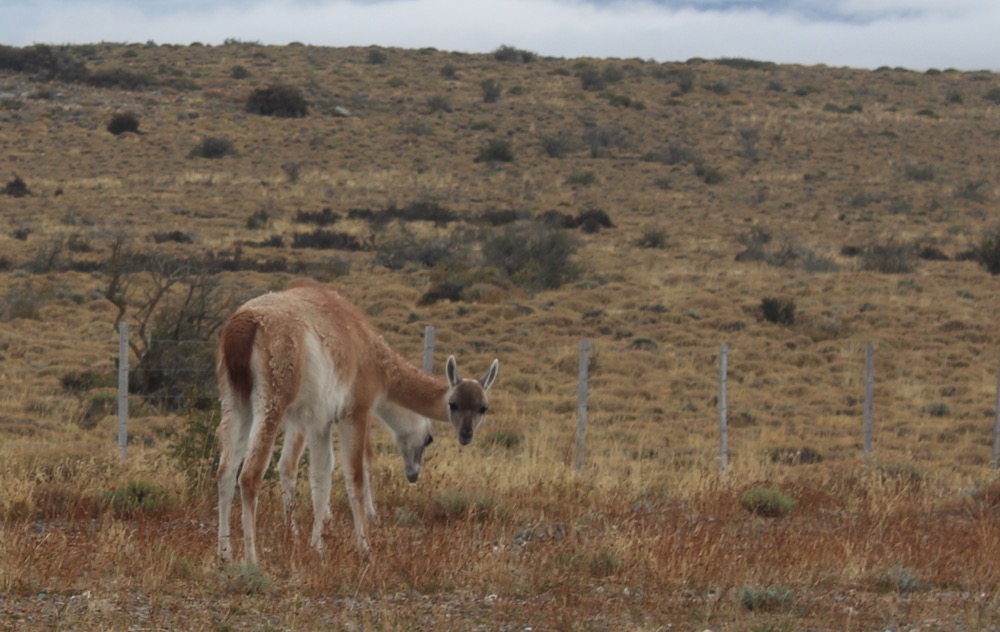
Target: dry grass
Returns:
[[504, 534]]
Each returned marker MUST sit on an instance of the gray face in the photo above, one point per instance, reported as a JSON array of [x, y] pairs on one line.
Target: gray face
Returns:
[[412, 448], [467, 405], [467, 401]]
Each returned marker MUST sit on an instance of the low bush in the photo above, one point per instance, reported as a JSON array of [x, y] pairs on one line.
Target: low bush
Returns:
[[213, 147], [987, 251], [767, 599], [120, 78], [767, 501], [324, 217], [495, 151], [514, 55], [278, 100], [328, 240], [891, 257], [16, 188], [139, 498], [534, 255], [492, 89], [175, 236], [778, 310], [560, 144], [123, 122]]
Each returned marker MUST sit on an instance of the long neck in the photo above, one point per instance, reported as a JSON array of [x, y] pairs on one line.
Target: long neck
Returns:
[[412, 388]]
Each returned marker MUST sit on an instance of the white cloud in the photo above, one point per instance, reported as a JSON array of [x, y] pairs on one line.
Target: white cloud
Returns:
[[916, 34]]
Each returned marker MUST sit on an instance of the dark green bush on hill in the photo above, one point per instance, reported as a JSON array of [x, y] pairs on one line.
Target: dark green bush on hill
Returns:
[[123, 122], [213, 147], [516, 55], [43, 61], [279, 100], [987, 251], [534, 255]]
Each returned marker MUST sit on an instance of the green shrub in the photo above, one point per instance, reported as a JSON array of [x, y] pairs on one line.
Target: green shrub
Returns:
[[891, 257], [139, 498], [44, 62], [514, 55], [322, 239], [778, 310], [974, 191], [195, 450], [324, 217], [175, 236], [439, 103], [767, 599], [602, 140], [120, 78], [993, 96], [21, 302], [123, 122], [740, 63], [16, 188], [377, 56], [987, 251], [533, 255], [708, 173], [919, 173], [213, 147], [674, 154], [278, 100], [508, 439], [241, 578], [495, 151], [492, 89], [897, 578], [581, 178], [560, 144], [239, 72], [655, 238], [767, 501], [399, 247]]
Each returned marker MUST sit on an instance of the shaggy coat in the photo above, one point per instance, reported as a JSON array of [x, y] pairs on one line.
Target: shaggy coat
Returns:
[[306, 359]]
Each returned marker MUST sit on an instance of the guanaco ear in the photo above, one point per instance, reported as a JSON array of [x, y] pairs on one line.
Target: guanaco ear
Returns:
[[451, 370], [491, 375]]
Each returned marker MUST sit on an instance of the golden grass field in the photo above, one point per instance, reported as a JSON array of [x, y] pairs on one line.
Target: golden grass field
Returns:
[[692, 162]]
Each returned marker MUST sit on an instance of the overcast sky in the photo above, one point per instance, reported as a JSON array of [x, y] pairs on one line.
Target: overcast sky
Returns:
[[914, 34]]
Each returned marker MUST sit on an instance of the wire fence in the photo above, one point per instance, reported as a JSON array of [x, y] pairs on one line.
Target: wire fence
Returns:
[[583, 394]]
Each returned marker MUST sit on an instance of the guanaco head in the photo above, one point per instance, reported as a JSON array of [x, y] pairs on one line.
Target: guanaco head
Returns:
[[412, 432], [467, 400], [412, 445]]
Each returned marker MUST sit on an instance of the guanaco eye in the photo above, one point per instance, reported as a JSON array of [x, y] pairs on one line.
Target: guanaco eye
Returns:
[[429, 441], [482, 411], [452, 406]]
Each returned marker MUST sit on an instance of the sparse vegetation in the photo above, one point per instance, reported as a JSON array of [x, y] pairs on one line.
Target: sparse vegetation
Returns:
[[599, 230]]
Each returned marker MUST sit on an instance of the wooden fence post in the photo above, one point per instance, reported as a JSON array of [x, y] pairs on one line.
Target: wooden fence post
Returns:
[[723, 408], [429, 349], [123, 390], [581, 405], [869, 406]]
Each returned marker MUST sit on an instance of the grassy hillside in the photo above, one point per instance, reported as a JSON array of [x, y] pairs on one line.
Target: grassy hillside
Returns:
[[519, 204]]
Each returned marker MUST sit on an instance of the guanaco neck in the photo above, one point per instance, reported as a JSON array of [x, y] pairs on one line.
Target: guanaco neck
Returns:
[[410, 387]]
